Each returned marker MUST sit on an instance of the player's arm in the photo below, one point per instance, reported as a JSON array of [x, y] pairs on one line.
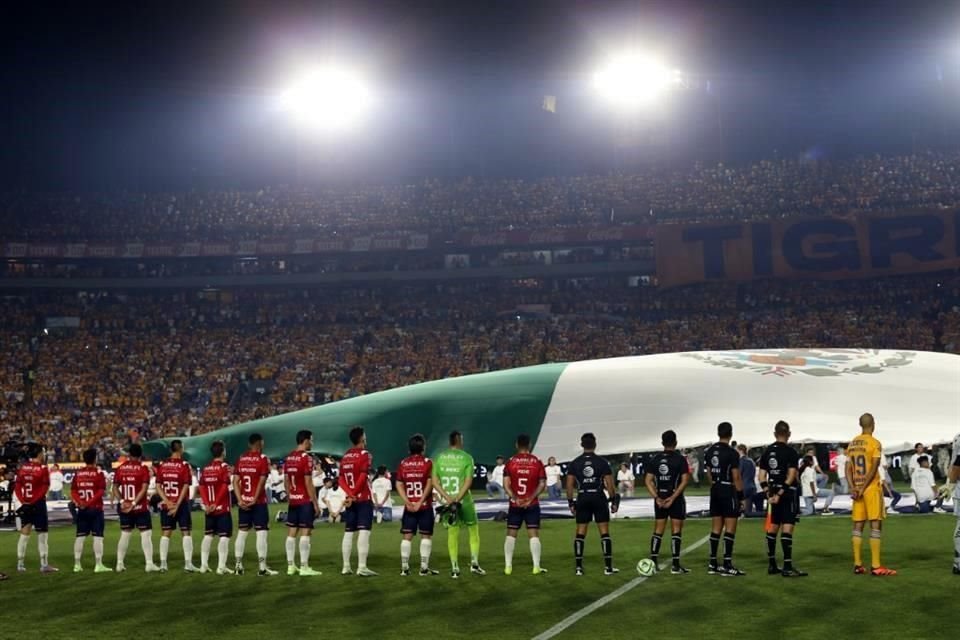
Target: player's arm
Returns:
[[854, 489], [143, 490], [684, 481], [114, 492], [438, 485], [508, 487], [872, 472], [611, 488], [311, 490], [737, 480], [402, 492], [467, 484], [99, 488], [259, 490], [75, 496], [160, 491], [650, 483], [235, 487]]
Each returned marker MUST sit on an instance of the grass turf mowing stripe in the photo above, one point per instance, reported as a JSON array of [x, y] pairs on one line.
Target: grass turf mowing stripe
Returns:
[[573, 618]]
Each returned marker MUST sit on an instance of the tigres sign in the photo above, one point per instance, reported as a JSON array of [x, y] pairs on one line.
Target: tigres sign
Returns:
[[808, 247]]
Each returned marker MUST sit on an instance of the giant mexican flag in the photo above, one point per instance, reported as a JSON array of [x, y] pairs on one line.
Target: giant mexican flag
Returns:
[[627, 402]]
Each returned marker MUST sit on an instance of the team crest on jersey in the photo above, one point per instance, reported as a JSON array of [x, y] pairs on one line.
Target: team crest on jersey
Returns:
[[588, 472], [812, 362], [664, 469], [773, 463]]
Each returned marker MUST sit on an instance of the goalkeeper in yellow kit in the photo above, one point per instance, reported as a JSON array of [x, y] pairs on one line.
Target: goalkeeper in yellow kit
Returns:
[[865, 455]]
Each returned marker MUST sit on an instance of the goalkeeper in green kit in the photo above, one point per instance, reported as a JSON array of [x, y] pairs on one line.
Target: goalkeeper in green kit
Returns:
[[452, 478]]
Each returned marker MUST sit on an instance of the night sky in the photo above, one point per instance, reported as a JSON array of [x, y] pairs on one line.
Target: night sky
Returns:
[[149, 95]]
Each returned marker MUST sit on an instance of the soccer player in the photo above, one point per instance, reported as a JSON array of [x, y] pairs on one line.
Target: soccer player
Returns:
[[130, 482], [302, 504], [358, 509], [31, 485], [249, 485], [452, 479], [215, 495], [174, 478], [524, 479], [780, 478], [863, 475], [590, 475], [726, 494], [415, 488], [87, 490], [666, 479], [954, 477]]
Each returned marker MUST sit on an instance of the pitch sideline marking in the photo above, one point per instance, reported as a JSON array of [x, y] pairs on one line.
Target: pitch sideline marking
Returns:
[[573, 618]]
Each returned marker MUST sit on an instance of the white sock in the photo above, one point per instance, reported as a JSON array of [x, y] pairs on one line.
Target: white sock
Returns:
[[123, 545], [363, 549], [146, 543], [98, 549], [164, 550], [291, 546], [508, 545], [405, 546], [240, 544], [304, 551], [262, 537], [223, 552], [43, 547], [187, 550], [22, 549], [205, 551], [426, 546], [346, 547], [78, 550], [535, 552]]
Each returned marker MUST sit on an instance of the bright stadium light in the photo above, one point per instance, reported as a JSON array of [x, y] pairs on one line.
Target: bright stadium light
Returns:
[[327, 98], [634, 80]]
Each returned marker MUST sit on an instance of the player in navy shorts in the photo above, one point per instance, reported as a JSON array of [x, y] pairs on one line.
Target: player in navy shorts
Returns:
[[257, 517], [418, 522], [415, 487]]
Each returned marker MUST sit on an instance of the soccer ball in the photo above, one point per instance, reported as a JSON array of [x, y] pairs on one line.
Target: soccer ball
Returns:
[[646, 567]]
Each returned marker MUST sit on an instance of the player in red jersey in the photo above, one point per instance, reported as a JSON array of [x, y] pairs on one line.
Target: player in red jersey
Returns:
[[174, 477], [215, 495], [415, 487], [30, 487], [86, 491], [524, 479], [302, 502], [130, 482], [358, 507], [249, 485]]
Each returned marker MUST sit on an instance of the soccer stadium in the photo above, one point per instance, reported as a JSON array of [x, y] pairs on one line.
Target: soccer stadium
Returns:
[[529, 320]]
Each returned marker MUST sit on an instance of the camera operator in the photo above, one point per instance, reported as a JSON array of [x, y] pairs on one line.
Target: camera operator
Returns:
[[31, 486]]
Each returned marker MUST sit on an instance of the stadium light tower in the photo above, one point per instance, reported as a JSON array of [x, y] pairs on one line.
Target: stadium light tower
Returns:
[[327, 99], [634, 80]]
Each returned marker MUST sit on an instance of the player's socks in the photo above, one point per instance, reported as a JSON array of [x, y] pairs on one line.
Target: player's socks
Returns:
[[77, 551], [535, 550], [239, 545], [146, 544], [956, 540], [676, 541], [304, 551], [164, 551], [578, 544], [98, 550], [728, 540], [223, 552], [205, 553], [772, 549], [426, 547], [262, 537], [655, 541], [363, 549], [405, 547], [474, 533], [187, 551], [291, 547], [43, 548], [122, 547], [714, 545], [606, 545], [857, 548], [22, 550], [875, 548], [508, 546], [346, 548], [453, 547], [786, 542]]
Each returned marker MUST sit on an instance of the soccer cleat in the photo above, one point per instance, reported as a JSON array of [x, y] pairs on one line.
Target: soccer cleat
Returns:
[[364, 572], [610, 571], [190, 569], [307, 571], [455, 573], [774, 570], [121, 567], [859, 569], [47, 568], [267, 572], [291, 570], [826, 512], [956, 571], [794, 573], [238, 569], [578, 571], [731, 572], [405, 572], [223, 571], [346, 571], [678, 570], [508, 570], [101, 568], [21, 568], [712, 569], [537, 571], [77, 568], [152, 568], [427, 571], [204, 569], [163, 569], [882, 572], [476, 570]]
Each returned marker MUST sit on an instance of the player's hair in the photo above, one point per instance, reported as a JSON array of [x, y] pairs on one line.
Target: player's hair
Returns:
[[417, 443], [866, 421], [499, 458], [523, 440], [303, 435], [919, 444], [781, 429], [136, 451], [382, 470], [356, 434], [588, 441], [724, 430], [216, 449], [742, 448], [669, 438], [176, 446], [33, 450], [89, 456], [922, 459], [254, 438], [455, 437]]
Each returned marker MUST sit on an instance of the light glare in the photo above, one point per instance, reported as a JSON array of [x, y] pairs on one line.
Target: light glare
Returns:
[[634, 80], [327, 98]]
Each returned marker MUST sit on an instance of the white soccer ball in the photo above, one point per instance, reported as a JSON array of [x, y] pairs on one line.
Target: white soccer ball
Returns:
[[646, 567]]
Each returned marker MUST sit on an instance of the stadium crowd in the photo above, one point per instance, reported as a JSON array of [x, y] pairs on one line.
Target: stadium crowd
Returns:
[[180, 364], [771, 188]]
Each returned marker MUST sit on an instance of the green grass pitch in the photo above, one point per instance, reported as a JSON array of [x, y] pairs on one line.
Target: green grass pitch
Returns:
[[832, 602]]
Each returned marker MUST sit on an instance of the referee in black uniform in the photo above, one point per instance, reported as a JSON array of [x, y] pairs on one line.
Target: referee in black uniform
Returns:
[[592, 474], [666, 478], [726, 493], [779, 477]]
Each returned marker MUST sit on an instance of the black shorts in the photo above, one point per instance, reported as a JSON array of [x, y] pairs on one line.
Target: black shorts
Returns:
[[421, 521], [787, 510], [518, 516], [301, 516], [256, 517], [133, 520], [90, 523], [358, 516], [35, 515], [592, 506], [179, 520], [218, 525], [676, 511], [724, 503]]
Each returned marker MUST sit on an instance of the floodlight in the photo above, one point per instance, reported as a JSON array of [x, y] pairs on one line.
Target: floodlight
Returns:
[[327, 98], [634, 80]]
